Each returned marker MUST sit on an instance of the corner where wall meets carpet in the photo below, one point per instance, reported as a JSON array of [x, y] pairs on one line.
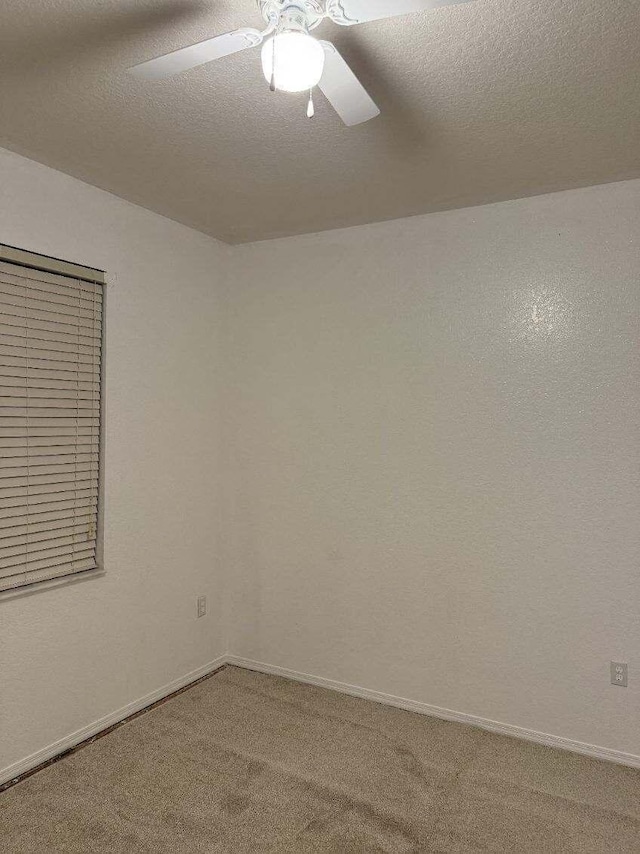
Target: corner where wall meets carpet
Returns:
[[70, 741], [246, 762]]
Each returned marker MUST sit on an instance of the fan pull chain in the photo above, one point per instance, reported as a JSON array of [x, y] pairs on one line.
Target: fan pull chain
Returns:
[[311, 111], [272, 85]]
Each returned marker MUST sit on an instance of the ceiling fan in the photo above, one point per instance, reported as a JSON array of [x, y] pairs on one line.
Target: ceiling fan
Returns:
[[292, 59]]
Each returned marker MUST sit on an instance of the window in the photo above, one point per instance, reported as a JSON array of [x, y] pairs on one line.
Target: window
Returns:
[[50, 358]]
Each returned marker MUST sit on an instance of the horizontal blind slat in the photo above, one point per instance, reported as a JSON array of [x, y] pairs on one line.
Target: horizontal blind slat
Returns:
[[48, 420], [21, 514], [73, 311], [38, 554], [50, 408], [58, 571], [12, 291], [62, 557], [26, 393], [41, 312], [59, 360], [48, 459], [55, 471], [38, 489], [49, 474], [38, 387], [50, 367], [87, 336], [47, 498], [46, 432], [40, 549], [26, 316], [27, 491], [39, 474], [8, 475], [22, 405], [8, 529], [13, 446], [24, 327], [19, 283], [73, 524], [21, 370], [33, 344]]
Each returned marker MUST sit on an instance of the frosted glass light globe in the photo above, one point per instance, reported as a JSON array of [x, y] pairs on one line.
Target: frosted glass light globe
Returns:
[[299, 61]]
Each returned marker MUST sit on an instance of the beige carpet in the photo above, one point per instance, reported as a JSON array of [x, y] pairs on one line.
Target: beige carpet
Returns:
[[244, 762]]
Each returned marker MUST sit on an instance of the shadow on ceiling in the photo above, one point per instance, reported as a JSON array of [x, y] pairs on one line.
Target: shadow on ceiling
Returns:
[[398, 127]]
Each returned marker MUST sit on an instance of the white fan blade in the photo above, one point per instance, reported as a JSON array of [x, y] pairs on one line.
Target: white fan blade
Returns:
[[197, 54], [344, 91], [349, 12]]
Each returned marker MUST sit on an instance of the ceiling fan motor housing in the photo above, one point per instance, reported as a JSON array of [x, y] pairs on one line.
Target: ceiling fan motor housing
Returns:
[[300, 15]]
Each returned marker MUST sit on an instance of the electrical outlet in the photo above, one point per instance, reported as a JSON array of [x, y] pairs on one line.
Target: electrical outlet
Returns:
[[202, 606], [619, 673]]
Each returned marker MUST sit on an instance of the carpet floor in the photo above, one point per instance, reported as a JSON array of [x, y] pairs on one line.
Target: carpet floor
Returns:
[[244, 762]]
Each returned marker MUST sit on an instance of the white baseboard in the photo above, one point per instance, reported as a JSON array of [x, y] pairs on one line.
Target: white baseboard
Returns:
[[69, 741], [557, 741]]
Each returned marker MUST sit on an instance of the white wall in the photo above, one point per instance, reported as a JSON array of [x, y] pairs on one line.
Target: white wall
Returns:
[[435, 454], [412, 449], [73, 654]]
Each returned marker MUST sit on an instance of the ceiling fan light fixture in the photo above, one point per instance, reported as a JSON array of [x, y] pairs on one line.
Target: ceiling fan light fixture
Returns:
[[293, 61]]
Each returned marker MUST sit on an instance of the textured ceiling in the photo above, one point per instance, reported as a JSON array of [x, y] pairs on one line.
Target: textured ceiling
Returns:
[[486, 101]]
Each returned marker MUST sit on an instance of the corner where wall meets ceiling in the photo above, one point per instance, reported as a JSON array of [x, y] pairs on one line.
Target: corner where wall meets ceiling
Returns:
[[483, 101]]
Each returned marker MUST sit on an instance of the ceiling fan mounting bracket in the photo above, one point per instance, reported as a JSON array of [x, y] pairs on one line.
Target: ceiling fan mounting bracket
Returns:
[[293, 14]]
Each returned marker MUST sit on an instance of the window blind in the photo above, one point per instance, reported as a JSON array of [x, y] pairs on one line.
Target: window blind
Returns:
[[50, 356]]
